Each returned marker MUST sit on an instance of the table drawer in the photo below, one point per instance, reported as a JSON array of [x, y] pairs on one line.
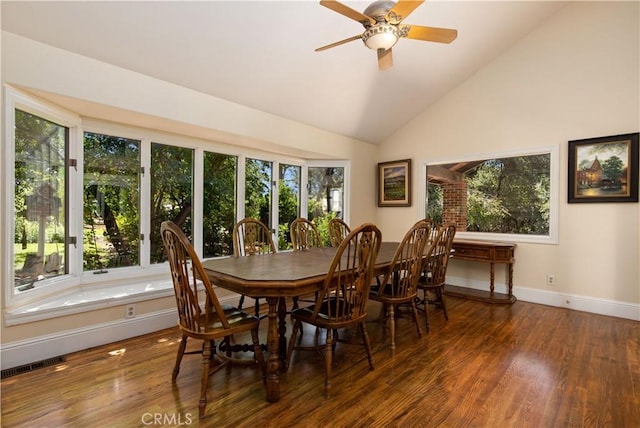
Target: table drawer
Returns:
[[504, 254], [471, 253]]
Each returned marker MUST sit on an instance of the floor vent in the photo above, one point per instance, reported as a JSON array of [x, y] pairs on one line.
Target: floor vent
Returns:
[[32, 366]]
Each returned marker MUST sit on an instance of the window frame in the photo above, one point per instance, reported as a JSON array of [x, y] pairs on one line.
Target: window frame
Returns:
[[554, 177], [15, 99]]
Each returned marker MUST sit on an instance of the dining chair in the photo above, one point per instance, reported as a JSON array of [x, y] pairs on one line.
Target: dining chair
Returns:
[[206, 320], [432, 281], [338, 230], [342, 301], [304, 234], [252, 237], [398, 285]]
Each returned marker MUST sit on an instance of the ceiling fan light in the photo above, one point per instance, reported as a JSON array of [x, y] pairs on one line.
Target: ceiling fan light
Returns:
[[380, 36]]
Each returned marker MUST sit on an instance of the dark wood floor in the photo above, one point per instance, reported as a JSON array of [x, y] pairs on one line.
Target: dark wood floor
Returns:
[[522, 365]]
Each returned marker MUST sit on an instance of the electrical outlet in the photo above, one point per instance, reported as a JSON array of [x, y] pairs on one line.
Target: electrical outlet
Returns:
[[551, 279], [130, 311]]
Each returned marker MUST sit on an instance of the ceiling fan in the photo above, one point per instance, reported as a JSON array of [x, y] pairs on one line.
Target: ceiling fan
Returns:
[[382, 21]]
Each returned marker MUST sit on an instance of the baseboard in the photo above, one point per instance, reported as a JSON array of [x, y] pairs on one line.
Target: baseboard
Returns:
[[562, 300], [39, 348]]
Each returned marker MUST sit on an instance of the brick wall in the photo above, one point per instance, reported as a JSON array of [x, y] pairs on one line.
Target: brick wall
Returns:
[[454, 207]]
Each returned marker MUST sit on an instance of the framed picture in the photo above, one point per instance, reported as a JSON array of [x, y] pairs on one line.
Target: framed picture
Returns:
[[604, 169], [394, 183]]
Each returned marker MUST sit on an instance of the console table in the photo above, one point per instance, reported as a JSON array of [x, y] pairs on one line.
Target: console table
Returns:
[[491, 252]]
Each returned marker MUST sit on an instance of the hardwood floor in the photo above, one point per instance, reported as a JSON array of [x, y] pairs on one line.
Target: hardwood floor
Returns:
[[520, 365]]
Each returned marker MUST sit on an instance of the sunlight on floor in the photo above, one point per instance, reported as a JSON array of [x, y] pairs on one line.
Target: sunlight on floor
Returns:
[[118, 352]]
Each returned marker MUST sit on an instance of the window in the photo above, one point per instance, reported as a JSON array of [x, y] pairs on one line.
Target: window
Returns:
[[326, 196], [258, 190], [510, 196], [88, 203], [171, 192], [219, 203], [288, 202], [40, 195], [111, 234]]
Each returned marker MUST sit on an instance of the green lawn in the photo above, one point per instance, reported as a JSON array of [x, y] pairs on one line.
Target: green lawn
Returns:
[[21, 255]]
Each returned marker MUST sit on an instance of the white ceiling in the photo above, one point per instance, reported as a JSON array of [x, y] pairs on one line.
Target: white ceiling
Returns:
[[261, 53]]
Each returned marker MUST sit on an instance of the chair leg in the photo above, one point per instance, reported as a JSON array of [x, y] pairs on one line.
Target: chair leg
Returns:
[[292, 343], [181, 348], [227, 342], [440, 293], [367, 344], [383, 313], [257, 351], [241, 301], [328, 358], [257, 307], [415, 318], [426, 309], [392, 328], [204, 378]]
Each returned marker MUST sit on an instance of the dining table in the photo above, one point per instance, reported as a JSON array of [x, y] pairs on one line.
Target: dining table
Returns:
[[276, 277]]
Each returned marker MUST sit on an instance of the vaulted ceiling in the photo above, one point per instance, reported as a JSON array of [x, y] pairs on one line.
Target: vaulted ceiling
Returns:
[[261, 53]]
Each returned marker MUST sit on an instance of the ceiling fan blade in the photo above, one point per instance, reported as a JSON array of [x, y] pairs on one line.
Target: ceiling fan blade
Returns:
[[341, 42], [348, 12], [431, 34], [401, 10], [385, 59]]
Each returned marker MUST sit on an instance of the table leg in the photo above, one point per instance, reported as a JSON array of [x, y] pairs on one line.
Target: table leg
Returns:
[[510, 280], [273, 360], [282, 330], [492, 277]]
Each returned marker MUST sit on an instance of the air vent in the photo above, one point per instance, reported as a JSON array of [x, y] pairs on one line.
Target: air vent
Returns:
[[32, 366]]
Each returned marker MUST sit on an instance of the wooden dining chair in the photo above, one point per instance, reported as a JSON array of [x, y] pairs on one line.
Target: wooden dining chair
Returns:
[[433, 279], [398, 285], [342, 301], [338, 230], [304, 234], [206, 320], [252, 237]]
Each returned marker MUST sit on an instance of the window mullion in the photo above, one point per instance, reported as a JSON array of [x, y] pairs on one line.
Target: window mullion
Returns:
[[198, 196], [75, 177], [241, 183], [145, 202]]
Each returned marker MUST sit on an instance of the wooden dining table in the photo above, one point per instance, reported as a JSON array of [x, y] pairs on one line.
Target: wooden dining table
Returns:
[[277, 277]]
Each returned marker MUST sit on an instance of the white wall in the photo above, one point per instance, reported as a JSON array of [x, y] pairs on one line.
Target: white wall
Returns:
[[576, 76]]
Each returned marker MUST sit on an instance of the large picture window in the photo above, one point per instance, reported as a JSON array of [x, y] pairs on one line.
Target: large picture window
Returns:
[[510, 196]]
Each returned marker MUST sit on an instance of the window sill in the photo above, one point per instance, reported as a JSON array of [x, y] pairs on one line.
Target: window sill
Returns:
[[87, 299]]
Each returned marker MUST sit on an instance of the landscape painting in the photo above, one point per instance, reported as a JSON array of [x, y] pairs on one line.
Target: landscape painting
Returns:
[[394, 183]]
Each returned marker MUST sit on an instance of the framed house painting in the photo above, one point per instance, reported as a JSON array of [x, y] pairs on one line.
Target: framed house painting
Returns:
[[604, 169], [394, 183]]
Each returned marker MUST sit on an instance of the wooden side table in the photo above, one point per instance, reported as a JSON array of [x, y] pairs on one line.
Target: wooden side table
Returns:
[[491, 252]]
